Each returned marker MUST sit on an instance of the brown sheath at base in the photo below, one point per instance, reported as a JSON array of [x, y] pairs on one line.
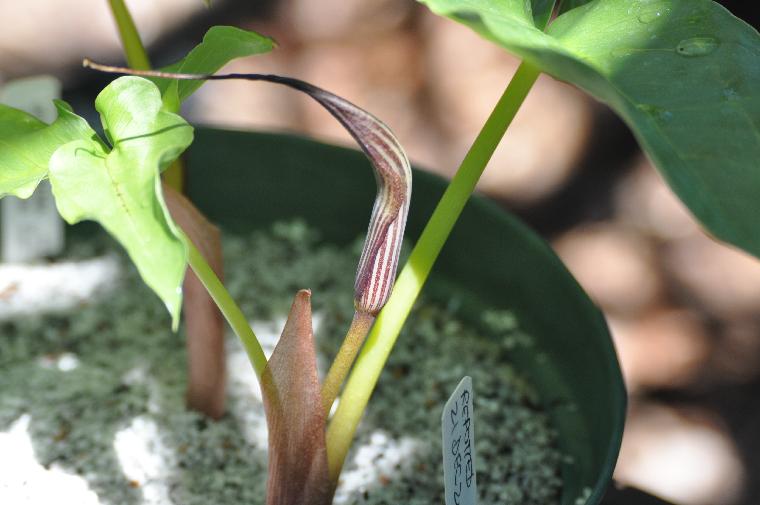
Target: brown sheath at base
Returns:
[[297, 453]]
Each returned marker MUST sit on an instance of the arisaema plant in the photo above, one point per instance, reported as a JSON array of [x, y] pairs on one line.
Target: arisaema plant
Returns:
[[683, 74]]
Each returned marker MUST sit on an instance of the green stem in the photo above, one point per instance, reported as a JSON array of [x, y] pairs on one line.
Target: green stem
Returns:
[[350, 347], [229, 308], [375, 353], [134, 50], [137, 58]]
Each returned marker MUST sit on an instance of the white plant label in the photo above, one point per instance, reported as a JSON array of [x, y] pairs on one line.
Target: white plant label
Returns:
[[31, 229], [459, 446]]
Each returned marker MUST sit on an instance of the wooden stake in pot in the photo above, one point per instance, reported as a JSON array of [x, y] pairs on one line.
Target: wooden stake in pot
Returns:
[[204, 324]]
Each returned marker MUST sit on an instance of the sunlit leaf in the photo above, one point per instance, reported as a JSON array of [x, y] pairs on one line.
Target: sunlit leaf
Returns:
[[290, 385], [220, 45], [26, 145], [683, 74], [121, 188]]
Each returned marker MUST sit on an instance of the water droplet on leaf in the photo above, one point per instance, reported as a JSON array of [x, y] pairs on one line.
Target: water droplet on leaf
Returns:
[[649, 109], [652, 12], [730, 94], [666, 116], [621, 52], [656, 112], [697, 46]]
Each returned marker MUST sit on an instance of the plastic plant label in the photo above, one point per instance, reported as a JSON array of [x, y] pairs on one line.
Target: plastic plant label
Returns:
[[459, 446], [31, 229]]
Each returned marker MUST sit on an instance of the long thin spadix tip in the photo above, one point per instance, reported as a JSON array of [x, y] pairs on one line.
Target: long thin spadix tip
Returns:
[[88, 63], [112, 69]]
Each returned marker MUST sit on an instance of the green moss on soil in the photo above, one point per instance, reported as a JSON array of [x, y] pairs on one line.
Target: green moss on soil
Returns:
[[130, 364]]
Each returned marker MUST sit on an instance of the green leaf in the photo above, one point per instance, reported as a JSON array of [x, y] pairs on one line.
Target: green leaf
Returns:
[[26, 145], [220, 45], [683, 74], [566, 5], [542, 11], [121, 188]]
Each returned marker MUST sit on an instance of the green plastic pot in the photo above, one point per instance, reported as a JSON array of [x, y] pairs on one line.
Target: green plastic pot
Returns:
[[244, 181]]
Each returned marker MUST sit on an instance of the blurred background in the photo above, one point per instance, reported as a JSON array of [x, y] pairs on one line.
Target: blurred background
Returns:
[[684, 311]]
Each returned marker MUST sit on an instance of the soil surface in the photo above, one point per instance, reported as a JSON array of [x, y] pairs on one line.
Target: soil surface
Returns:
[[92, 397]]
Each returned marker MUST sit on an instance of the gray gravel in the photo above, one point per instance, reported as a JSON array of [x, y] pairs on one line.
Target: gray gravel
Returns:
[[129, 365]]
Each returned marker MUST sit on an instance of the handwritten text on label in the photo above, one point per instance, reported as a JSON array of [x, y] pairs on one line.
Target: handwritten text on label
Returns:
[[459, 446]]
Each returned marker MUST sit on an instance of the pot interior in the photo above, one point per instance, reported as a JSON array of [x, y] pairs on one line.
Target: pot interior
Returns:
[[245, 180]]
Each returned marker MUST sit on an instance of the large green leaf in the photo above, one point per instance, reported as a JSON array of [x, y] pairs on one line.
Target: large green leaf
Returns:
[[220, 45], [683, 74], [26, 145], [121, 188]]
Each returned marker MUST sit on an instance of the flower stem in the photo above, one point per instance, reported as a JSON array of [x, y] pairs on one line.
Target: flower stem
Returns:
[[350, 347], [134, 50], [375, 352], [229, 308]]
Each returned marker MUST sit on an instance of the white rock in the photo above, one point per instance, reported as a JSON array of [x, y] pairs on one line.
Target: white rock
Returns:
[[24, 481], [723, 280], [27, 289], [614, 265], [381, 458], [663, 348], [684, 457], [140, 452], [644, 200]]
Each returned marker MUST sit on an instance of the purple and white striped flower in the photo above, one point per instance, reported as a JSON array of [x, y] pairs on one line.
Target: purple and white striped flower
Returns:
[[376, 272]]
